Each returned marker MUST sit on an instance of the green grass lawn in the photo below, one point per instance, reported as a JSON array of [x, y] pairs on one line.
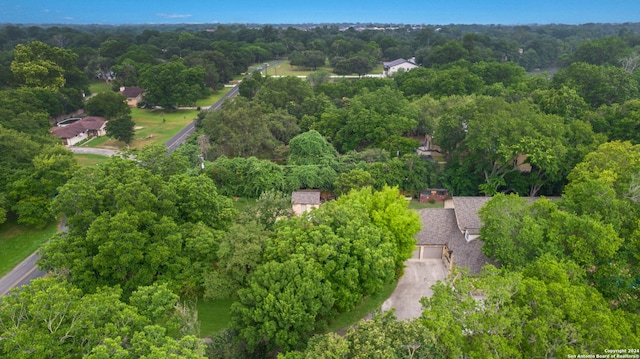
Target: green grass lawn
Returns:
[[99, 86], [152, 127], [285, 69], [88, 159], [214, 316], [17, 242], [367, 306], [156, 126], [415, 205]]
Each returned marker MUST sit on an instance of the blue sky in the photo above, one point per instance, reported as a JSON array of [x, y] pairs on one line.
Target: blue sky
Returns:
[[429, 12]]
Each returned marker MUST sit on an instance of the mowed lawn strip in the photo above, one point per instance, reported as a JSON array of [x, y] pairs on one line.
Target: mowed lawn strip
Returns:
[[99, 86], [85, 159], [17, 242], [285, 69]]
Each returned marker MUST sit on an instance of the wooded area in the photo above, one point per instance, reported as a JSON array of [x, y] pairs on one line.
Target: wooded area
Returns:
[[505, 111]]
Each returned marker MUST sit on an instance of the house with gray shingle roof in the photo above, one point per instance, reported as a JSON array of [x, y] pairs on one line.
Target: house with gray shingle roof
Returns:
[[391, 67], [133, 95], [305, 200], [467, 218], [455, 229], [440, 230]]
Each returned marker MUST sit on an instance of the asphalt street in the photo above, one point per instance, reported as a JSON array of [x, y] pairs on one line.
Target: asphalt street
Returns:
[[22, 274]]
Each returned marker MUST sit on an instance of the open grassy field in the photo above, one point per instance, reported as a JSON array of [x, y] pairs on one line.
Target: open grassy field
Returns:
[[206, 102], [86, 160], [155, 126], [152, 126], [99, 86], [285, 69], [17, 242]]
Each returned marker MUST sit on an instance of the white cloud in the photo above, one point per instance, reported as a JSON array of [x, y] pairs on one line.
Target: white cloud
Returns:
[[174, 16]]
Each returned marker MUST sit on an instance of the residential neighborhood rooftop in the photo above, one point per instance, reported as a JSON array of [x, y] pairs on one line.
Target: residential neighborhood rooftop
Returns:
[[466, 209], [439, 227], [133, 91], [395, 63], [306, 197], [91, 123]]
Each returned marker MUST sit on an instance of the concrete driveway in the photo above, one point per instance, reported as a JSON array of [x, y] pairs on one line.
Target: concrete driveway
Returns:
[[419, 276]]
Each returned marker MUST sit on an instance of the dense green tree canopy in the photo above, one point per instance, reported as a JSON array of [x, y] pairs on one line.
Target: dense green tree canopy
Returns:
[[173, 84], [51, 318], [121, 129], [130, 227], [107, 104], [37, 64]]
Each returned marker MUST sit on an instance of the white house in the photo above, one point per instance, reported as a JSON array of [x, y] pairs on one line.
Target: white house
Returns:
[[390, 68]]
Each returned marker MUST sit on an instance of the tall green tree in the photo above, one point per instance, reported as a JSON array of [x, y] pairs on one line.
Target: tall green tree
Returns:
[[51, 318], [310, 148], [598, 85], [107, 104], [172, 84], [283, 304], [130, 227], [37, 64], [370, 119], [121, 129], [546, 310]]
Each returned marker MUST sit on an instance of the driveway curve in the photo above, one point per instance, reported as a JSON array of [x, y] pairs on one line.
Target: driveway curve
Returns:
[[93, 151]]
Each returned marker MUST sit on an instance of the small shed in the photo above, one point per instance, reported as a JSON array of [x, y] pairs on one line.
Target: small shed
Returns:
[[435, 194], [305, 200]]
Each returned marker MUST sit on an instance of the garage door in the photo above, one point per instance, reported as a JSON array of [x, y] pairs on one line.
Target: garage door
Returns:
[[428, 252]]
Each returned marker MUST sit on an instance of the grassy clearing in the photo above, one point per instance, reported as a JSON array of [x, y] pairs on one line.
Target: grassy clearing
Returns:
[[367, 306], [285, 69], [214, 316], [241, 203], [99, 86], [17, 242], [157, 126], [152, 127], [86, 160], [415, 205]]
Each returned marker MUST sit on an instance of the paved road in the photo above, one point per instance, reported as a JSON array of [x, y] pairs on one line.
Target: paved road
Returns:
[[182, 136], [22, 274]]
